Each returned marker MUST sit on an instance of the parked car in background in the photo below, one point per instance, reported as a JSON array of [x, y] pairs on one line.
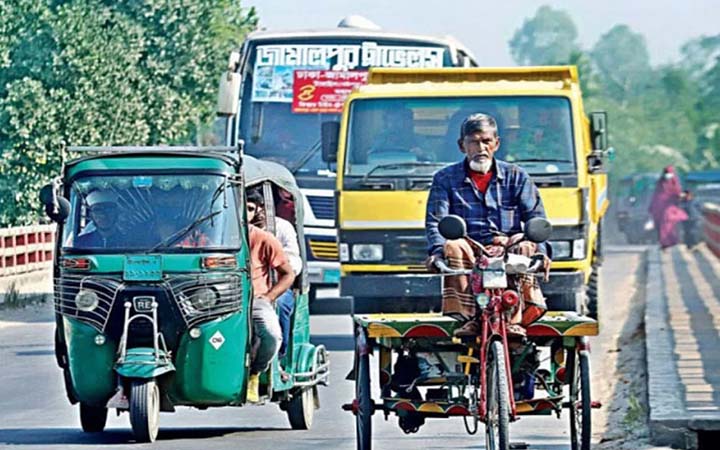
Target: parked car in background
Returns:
[[632, 214]]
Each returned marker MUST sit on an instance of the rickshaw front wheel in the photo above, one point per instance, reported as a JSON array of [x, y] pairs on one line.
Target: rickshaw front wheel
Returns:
[[92, 418], [301, 408], [145, 409]]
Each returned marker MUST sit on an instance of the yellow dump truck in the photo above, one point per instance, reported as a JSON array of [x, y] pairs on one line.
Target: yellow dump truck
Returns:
[[402, 127]]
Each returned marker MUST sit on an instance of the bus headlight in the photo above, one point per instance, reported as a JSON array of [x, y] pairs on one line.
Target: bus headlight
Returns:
[[578, 249], [367, 252], [86, 300], [560, 249], [204, 298]]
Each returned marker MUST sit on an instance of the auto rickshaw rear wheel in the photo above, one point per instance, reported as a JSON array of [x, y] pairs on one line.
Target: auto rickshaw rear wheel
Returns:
[[92, 418], [301, 408], [145, 409]]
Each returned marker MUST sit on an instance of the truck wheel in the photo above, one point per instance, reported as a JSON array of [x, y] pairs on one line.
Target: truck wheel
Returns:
[[92, 418], [593, 291]]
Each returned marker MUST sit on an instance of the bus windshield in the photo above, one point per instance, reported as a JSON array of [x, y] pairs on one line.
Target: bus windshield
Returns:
[[417, 136], [291, 86]]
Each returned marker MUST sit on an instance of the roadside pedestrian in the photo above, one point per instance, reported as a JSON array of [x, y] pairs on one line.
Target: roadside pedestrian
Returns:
[[665, 208]]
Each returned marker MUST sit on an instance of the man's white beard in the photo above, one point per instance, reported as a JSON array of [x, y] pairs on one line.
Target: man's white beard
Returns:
[[481, 166]]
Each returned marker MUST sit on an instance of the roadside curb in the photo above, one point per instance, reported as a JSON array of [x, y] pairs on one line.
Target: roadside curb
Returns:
[[668, 418]]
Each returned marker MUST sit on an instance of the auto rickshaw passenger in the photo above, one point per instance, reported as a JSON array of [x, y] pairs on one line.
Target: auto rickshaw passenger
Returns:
[[266, 255], [286, 234], [102, 232]]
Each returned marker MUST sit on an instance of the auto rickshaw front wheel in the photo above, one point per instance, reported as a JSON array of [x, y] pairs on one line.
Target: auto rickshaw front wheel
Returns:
[[145, 409], [93, 418], [301, 408]]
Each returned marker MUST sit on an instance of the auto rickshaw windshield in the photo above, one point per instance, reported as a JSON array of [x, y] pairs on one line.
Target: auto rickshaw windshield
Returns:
[[167, 213]]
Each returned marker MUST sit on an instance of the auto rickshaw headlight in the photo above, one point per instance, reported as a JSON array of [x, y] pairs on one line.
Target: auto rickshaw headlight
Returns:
[[204, 298], [86, 300]]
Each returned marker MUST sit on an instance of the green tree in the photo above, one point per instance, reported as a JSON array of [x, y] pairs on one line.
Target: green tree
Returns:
[[93, 72], [623, 62], [549, 37]]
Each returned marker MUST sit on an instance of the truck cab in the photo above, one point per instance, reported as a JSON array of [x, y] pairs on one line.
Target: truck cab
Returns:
[[403, 126]]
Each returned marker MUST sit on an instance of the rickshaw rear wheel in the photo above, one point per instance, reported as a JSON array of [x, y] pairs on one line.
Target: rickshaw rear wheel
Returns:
[[145, 409], [93, 418], [580, 402], [497, 424], [363, 415], [301, 408]]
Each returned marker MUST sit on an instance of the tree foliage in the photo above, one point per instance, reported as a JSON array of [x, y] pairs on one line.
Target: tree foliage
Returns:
[[550, 37], [657, 115], [93, 72]]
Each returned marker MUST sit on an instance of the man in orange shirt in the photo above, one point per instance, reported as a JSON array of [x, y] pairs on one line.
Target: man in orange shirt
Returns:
[[266, 256]]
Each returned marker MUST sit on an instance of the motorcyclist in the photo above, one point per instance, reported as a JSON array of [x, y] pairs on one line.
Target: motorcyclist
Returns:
[[495, 198]]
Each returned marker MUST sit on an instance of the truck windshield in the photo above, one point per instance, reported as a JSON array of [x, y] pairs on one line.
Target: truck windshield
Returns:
[[385, 134], [163, 213], [293, 85]]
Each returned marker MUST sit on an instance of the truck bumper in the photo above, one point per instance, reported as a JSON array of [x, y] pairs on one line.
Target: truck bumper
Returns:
[[374, 293], [565, 282]]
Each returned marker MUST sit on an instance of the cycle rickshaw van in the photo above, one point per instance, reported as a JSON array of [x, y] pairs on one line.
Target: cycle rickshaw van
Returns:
[[153, 295]]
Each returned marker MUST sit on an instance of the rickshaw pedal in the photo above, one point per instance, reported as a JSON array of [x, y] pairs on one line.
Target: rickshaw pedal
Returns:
[[595, 404], [354, 406], [465, 359]]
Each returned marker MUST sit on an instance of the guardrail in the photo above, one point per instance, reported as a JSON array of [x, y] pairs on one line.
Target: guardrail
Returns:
[[711, 227], [26, 249]]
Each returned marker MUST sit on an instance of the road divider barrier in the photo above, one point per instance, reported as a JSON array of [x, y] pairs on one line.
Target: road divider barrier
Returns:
[[711, 227], [26, 249]]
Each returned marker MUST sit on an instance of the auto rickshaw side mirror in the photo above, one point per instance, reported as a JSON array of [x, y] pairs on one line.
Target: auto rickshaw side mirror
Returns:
[[538, 229], [329, 134], [452, 227], [57, 207], [60, 212]]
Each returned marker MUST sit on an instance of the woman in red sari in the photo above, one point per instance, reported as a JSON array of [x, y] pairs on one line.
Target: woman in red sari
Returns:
[[665, 210]]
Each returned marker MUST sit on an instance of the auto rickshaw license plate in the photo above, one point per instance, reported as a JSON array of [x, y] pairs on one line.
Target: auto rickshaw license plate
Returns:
[[143, 268]]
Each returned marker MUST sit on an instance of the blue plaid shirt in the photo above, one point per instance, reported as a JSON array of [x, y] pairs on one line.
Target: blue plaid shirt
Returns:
[[510, 199]]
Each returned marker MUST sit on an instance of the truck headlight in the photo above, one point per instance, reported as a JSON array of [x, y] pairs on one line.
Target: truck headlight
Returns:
[[86, 300], [204, 298], [578, 249], [560, 249], [367, 252]]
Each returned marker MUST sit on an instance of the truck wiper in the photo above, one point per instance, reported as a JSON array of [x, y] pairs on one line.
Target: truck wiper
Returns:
[[306, 156], [548, 160], [181, 233], [400, 165]]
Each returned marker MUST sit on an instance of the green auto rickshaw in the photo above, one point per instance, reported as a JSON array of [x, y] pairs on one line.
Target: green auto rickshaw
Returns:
[[153, 295]]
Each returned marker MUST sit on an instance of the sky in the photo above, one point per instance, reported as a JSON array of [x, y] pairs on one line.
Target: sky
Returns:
[[486, 27]]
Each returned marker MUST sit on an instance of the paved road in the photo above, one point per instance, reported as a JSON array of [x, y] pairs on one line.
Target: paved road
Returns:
[[35, 414]]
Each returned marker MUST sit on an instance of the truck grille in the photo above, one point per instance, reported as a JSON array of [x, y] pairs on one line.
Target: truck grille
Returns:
[[322, 207], [324, 250]]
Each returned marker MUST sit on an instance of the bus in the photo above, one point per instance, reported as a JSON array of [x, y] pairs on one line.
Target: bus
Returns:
[[281, 86]]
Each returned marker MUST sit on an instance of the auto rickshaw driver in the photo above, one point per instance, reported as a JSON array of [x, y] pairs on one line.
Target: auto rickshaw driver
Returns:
[[103, 210]]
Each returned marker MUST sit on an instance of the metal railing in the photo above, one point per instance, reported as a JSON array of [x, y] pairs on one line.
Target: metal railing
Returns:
[[26, 249], [711, 227]]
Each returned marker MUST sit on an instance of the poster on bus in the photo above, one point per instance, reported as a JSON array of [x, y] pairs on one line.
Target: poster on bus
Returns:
[[324, 91], [275, 65]]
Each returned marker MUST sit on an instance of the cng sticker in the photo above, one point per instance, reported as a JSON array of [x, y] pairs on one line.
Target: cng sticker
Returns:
[[217, 340]]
